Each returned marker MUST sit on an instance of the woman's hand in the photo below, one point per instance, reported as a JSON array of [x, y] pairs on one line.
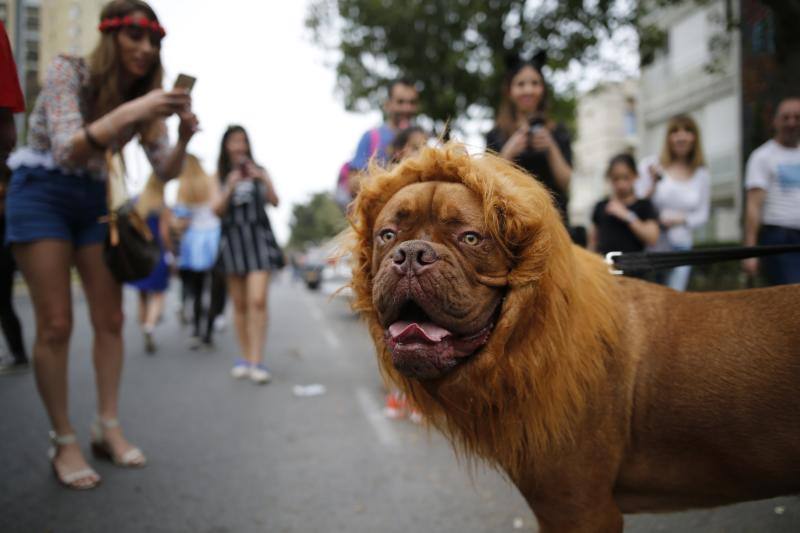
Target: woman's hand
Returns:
[[188, 127], [542, 140], [234, 177], [669, 219], [516, 144], [159, 103], [617, 209]]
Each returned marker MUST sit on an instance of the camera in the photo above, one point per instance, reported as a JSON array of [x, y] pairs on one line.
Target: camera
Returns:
[[535, 124]]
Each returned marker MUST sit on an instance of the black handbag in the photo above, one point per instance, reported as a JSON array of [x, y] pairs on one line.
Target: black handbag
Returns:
[[130, 251]]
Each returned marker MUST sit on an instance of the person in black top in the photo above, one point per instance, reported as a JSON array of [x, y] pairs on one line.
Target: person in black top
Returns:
[[623, 222], [525, 135]]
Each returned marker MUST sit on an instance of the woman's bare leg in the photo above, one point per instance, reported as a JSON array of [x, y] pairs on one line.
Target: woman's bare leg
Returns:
[[104, 295], [45, 265], [238, 294], [155, 305], [257, 285]]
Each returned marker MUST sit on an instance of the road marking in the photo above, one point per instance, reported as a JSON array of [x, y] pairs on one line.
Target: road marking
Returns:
[[386, 433], [327, 333]]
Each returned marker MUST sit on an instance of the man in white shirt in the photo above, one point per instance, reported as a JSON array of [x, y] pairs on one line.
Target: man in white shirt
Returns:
[[772, 181]]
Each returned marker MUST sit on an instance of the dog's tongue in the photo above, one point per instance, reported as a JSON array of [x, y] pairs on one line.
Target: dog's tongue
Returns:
[[404, 331]]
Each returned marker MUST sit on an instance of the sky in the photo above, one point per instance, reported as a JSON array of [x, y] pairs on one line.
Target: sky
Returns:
[[256, 66]]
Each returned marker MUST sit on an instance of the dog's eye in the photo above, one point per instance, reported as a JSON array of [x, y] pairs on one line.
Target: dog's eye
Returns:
[[387, 235], [471, 238]]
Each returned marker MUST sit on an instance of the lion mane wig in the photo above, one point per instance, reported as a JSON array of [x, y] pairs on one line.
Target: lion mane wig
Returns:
[[525, 391]]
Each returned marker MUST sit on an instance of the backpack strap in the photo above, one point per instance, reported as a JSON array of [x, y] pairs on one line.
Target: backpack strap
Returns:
[[374, 141]]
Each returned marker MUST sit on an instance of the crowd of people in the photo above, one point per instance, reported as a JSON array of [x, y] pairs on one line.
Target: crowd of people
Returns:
[[218, 236]]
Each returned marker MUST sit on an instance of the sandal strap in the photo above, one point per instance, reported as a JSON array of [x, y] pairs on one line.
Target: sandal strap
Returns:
[[62, 440], [131, 457], [83, 473], [108, 423]]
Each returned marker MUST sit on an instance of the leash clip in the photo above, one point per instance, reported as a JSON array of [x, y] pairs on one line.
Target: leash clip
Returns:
[[610, 262]]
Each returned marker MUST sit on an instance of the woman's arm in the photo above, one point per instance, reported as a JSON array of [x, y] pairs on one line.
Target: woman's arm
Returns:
[[544, 141], [221, 195], [255, 171], [105, 131]]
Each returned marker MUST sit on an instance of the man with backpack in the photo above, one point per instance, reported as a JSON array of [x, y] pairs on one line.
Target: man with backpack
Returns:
[[400, 109]]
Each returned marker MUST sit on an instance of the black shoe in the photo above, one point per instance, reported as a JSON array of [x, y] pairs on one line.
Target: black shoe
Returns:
[[14, 367], [208, 345], [194, 342], [149, 343]]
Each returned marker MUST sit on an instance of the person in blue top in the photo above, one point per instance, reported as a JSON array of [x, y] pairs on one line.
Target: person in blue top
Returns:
[[400, 109]]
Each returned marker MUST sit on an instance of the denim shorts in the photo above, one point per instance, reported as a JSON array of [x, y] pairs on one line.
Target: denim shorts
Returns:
[[49, 204]]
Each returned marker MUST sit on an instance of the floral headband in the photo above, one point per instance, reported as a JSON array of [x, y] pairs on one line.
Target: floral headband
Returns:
[[114, 23]]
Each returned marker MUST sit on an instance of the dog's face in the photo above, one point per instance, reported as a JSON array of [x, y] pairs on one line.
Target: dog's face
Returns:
[[439, 277]]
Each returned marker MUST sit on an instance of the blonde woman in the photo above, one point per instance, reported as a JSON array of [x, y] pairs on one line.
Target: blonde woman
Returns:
[[679, 185], [199, 248], [150, 206], [56, 197]]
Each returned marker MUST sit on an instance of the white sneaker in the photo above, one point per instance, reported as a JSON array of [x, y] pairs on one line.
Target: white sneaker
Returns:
[[259, 374], [241, 369]]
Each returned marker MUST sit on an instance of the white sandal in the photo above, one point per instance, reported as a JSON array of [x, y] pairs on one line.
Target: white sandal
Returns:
[[133, 458], [70, 479]]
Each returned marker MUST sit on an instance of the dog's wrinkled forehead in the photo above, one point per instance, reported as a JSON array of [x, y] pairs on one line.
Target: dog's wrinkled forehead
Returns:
[[432, 202]]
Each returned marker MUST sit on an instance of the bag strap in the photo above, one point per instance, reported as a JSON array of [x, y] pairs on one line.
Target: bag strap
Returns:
[[113, 218], [374, 141]]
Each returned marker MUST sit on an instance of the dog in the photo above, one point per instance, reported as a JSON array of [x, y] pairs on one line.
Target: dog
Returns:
[[596, 394]]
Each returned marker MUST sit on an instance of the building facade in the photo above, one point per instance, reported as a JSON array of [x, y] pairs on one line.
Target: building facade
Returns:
[[607, 124], [679, 81]]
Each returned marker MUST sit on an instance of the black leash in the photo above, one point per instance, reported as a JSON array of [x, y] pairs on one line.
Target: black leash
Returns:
[[640, 261]]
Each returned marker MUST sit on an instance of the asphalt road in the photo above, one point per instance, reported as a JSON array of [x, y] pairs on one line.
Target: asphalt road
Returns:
[[231, 456]]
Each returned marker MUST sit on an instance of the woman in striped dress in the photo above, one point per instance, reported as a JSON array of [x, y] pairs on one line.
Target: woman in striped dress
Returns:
[[248, 250]]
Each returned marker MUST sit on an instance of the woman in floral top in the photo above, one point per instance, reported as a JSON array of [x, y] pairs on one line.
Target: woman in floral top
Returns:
[[57, 196]]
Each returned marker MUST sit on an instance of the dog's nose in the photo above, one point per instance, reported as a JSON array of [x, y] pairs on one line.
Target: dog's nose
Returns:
[[415, 256]]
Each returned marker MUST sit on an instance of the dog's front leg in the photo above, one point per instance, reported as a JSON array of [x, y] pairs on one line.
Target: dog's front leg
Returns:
[[601, 515]]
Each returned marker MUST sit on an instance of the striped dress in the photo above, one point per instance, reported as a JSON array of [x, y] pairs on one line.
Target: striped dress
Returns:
[[247, 243]]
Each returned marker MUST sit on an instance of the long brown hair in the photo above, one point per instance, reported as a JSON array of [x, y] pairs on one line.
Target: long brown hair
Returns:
[[224, 163], [506, 119], [105, 69], [696, 157]]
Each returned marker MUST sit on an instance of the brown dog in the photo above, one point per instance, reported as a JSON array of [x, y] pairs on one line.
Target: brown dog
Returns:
[[598, 395]]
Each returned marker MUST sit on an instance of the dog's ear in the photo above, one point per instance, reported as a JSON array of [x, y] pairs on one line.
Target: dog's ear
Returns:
[[511, 60], [539, 59]]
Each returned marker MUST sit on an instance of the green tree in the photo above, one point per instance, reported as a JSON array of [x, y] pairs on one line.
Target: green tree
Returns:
[[315, 221], [456, 49]]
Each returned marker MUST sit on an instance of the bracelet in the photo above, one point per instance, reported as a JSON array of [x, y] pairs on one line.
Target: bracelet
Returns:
[[631, 217], [92, 140]]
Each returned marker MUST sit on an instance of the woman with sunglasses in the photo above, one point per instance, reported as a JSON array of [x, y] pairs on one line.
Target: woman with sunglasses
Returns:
[[57, 196]]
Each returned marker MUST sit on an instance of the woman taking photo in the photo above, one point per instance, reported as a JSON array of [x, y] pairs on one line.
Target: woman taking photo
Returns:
[[248, 249], [524, 134], [57, 195], [679, 185]]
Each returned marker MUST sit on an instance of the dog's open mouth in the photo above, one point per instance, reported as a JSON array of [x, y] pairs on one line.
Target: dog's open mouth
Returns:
[[423, 349]]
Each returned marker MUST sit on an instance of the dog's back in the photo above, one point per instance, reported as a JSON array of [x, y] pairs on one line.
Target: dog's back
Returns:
[[715, 405]]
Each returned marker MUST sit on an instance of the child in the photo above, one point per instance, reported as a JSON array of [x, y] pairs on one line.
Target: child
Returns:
[[622, 222], [407, 143]]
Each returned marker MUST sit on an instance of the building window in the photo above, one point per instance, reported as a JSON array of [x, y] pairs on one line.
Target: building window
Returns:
[[4, 13], [629, 121], [32, 18], [32, 51]]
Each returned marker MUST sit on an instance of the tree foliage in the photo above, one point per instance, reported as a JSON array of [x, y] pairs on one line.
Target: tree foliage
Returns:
[[456, 49], [315, 221]]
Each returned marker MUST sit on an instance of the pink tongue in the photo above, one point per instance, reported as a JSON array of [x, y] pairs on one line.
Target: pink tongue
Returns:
[[404, 330]]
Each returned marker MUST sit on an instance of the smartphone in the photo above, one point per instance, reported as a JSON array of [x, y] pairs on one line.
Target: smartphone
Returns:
[[184, 81]]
